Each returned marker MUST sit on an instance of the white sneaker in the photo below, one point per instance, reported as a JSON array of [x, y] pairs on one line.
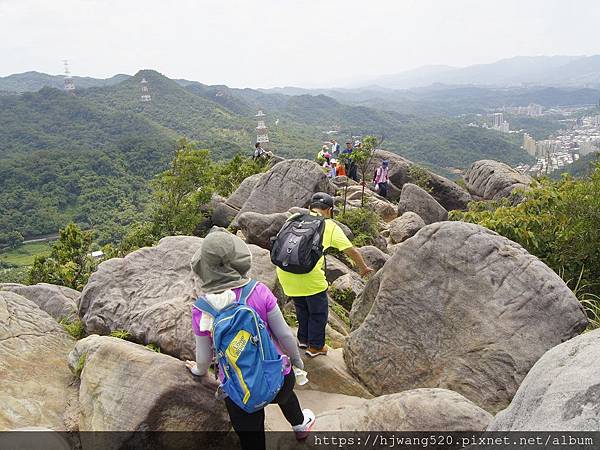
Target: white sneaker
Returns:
[[304, 428]]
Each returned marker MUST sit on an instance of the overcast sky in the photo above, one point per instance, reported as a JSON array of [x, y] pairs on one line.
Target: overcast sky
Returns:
[[266, 43]]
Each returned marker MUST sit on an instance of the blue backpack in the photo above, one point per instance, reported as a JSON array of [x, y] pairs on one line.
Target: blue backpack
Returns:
[[245, 352]]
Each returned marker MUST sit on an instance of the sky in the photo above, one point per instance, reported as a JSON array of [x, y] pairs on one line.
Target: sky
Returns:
[[268, 43]]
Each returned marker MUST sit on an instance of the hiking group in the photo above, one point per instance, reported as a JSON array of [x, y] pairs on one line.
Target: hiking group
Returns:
[[240, 329], [336, 163]]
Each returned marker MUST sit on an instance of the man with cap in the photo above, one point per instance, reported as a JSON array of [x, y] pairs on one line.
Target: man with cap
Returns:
[[309, 290]]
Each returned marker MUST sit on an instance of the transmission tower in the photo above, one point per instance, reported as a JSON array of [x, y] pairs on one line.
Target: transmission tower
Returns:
[[146, 97], [69, 83], [262, 132]]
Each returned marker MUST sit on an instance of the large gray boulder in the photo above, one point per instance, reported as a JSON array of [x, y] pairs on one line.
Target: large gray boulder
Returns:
[[417, 200], [413, 410], [126, 387], [331, 375], [560, 393], [449, 194], [260, 228], [36, 382], [364, 301], [493, 180], [350, 286], [224, 212], [150, 292], [334, 268], [59, 301], [405, 226], [462, 308], [373, 256], [289, 183]]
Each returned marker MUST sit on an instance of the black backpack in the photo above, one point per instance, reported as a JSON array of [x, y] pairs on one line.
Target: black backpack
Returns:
[[299, 244]]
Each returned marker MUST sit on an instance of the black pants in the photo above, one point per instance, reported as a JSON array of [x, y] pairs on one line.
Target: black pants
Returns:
[[312, 312], [251, 427], [352, 171], [382, 189]]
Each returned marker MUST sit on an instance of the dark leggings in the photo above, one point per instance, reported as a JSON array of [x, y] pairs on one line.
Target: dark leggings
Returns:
[[251, 427]]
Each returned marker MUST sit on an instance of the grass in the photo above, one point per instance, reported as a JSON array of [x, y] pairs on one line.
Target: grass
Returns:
[[24, 255], [121, 334], [74, 327], [290, 318], [345, 297], [79, 367], [341, 313], [153, 347]]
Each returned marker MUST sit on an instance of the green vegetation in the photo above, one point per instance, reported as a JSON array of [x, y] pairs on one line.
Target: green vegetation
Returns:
[[69, 262], [13, 275], [73, 327], [583, 167], [420, 177], [121, 334], [153, 347], [364, 224], [88, 158], [80, 364], [344, 297], [341, 313], [25, 254], [558, 222], [291, 319]]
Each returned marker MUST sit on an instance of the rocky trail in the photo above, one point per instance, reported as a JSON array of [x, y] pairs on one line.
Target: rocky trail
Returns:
[[458, 329]]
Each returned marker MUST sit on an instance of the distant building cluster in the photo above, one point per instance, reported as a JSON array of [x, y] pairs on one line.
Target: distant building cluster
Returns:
[[532, 110], [145, 97], [581, 138], [499, 124]]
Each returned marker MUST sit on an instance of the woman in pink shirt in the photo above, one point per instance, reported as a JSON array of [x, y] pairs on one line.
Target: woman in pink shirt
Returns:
[[222, 264]]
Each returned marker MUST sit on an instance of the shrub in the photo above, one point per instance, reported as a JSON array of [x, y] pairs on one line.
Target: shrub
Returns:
[[73, 327], [341, 313], [80, 364], [121, 334], [364, 224], [420, 176], [345, 297], [154, 347]]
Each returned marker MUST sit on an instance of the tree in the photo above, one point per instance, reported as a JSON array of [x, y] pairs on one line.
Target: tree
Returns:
[[12, 239], [181, 191], [70, 262]]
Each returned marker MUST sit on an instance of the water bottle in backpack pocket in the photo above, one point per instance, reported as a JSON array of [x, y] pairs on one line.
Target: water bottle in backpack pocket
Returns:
[[252, 367]]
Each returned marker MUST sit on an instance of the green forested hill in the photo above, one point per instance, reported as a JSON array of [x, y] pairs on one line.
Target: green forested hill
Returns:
[[34, 81], [88, 157]]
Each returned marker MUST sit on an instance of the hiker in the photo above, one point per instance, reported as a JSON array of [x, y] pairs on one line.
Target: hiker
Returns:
[[223, 267], [321, 154], [303, 278], [351, 167], [260, 153], [328, 165], [335, 149], [381, 178]]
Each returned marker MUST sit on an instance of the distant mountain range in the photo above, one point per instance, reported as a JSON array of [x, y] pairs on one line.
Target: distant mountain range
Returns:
[[34, 81], [572, 71]]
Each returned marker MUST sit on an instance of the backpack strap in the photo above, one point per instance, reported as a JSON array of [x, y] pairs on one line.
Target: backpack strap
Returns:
[[203, 305], [247, 291]]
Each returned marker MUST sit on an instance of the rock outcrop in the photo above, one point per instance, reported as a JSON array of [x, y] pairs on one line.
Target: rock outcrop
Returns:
[[331, 375], [260, 228], [334, 268], [58, 301], [225, 212], [461, 307], [149, 293], [413, 410], [417, 200], [560, 393], [405, 226], [289, 183], [36, 384], [126, 387], [493, 180], [373, 256], [364, 301], [449, 194], [352, 285]]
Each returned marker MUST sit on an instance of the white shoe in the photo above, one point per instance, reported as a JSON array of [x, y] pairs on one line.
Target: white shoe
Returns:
[[304, 428]]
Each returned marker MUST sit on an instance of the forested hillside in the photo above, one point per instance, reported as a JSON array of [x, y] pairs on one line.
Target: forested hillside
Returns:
[[88, 157]]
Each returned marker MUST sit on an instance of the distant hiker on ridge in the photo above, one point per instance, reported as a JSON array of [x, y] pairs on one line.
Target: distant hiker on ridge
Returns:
[[239, 318], [260, 153], [300, 267], [381, 178], [335, 149]]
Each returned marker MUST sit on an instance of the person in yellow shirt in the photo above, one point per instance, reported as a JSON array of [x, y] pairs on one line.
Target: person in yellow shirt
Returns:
[[309, 290]]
